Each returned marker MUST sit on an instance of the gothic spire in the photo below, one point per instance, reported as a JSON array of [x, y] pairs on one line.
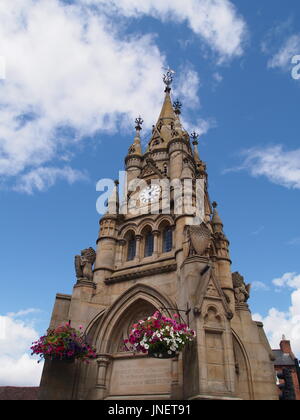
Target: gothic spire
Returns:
[[167, 114]]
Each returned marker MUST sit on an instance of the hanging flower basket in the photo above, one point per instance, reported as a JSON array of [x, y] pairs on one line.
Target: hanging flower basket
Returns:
[[64, 343], [161, 353], [159, 336]]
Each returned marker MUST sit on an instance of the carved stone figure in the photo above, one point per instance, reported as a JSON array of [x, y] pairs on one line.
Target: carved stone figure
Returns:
[[84, 264], [241, 290]]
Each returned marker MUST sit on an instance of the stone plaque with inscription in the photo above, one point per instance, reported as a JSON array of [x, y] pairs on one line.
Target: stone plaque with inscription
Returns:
[[140, 376]]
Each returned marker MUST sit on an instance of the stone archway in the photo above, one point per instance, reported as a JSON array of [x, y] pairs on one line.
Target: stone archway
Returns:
[[123, 374]]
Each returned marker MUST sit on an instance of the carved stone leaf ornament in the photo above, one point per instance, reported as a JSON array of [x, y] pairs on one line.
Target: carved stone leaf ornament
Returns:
[[200, 238]]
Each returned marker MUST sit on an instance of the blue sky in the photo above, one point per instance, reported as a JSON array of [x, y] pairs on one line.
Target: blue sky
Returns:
[[77, 73]]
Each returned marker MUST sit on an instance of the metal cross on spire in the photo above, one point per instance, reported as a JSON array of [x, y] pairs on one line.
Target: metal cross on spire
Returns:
[[139, 122], [168, 77], [177, 106], [195, 137]]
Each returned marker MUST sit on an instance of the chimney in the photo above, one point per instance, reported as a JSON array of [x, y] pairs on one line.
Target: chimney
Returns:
[[285, 346]]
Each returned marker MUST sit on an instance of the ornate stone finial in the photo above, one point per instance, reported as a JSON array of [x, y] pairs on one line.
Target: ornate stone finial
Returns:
[[139, 122], [177, 107], [283, 338], [84, 264], [168, 78], [195, 137]]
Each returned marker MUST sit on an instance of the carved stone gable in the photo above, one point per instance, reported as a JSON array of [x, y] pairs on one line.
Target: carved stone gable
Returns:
[[211, 290], [151, 170]]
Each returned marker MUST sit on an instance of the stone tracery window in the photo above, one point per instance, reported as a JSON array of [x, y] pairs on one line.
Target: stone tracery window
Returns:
[[141, 309], [149, 244], [131, 247], [167, 239]]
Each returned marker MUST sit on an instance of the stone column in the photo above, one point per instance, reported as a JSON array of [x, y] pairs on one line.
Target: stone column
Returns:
[[156, 234], [138, 250], [173, 238], [100, 390], [176, 391], [120, 251]]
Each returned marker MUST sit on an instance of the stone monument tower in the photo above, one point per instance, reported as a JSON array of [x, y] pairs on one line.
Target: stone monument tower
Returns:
[[171, 260]]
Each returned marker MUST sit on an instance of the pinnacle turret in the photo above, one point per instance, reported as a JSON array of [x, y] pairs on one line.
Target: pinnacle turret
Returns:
[[136, 147], [216, 219], [195, 137]]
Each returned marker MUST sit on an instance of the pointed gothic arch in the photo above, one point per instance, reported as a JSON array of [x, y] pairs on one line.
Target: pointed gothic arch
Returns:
[[164, 220], [125, 229], [105, 326], [148, 222], [243, 377]]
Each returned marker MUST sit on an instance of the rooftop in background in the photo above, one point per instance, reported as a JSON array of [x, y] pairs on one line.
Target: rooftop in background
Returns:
[[11, 393], [283, 359]]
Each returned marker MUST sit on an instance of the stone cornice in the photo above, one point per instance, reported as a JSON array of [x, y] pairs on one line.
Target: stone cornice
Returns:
[[63, 297], [103, 269], [178, 140], [85, 283], [144, 273], [106, 237], [139, 157]]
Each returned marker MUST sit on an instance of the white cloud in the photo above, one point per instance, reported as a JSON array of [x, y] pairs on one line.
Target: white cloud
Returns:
[[279, 166], [42, 178], [17, 368], [259, 286], [186, 87], [23, 312], [201, 127], [218, 77], [215, 21], [278, 323], [23, 371], [72, 72], [288, 280], [71, 69], [283, 58]]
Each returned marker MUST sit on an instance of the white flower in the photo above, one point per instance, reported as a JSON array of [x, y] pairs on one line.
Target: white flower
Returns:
[[158, 335], [146, 346]]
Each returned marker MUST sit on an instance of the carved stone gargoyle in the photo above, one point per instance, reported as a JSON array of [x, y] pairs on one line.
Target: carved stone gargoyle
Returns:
[[241, 290], [84, 264]]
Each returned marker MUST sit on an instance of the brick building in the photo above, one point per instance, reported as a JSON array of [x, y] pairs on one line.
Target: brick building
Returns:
[[285, 358], [13, 393]]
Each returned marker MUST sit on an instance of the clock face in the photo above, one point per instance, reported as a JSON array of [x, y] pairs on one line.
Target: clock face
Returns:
[[150, 194]]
